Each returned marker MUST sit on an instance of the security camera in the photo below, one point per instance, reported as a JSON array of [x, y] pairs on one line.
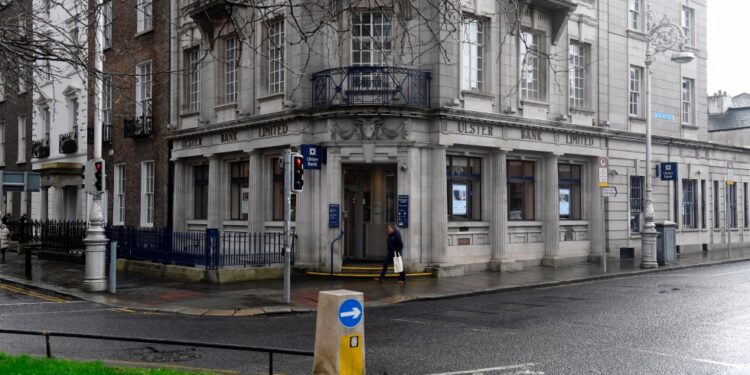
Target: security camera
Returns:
[[403, 167]]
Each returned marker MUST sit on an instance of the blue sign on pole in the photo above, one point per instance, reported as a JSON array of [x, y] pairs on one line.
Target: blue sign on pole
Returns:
[[351, 313], [312, 158], [333, 215], [668, 171], [663, 116], [403, 211]]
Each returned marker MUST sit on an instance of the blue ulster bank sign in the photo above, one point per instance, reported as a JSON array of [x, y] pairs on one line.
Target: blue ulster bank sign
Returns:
[[350, 313], [312, 156], [668, 171]]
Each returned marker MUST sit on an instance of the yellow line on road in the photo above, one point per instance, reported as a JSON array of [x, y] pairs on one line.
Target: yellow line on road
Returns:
[[31, 293], [124, 310]]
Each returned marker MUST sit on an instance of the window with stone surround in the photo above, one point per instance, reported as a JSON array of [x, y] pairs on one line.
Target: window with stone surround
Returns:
[[578, 72], [473, 50], [145, 15], [687, 21], [464, 188], [200, 192], [732, 201], [147, 193], [228, 70], [118, 211], [717, 215], [569, 185], [636, 203], [192, 79], [635, 87], [635, 15], [687, 101], [521, 185], [107, 12], [689, 204], [275, 52], [239, 195], [533, 65]]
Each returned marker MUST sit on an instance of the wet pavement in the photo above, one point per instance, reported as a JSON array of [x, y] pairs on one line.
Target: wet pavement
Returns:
[[265, 297]]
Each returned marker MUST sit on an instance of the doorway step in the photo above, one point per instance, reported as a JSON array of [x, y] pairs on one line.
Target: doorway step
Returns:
[[365, 271]]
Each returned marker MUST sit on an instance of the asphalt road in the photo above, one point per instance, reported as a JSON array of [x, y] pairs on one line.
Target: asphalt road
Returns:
[[693, 321]]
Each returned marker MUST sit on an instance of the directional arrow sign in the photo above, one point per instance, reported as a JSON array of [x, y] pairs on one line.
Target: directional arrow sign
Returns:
[[350, 313]]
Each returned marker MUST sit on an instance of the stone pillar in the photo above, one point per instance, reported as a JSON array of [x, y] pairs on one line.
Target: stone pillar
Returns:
[[255, 214], [180, 207], [44, 203], [551, 216], [499, 225], [439, 202], [60, 203], [595, 217], [214, 192]]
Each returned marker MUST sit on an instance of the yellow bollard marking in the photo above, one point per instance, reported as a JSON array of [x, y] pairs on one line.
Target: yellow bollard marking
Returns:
[[351, 355]]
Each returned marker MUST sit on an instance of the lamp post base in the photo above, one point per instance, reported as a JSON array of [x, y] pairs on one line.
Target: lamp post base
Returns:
[[648, 249], [96, 241]]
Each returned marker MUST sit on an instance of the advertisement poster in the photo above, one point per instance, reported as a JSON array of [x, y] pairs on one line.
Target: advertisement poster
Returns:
[[564, 202], [245, 200], [459, 199]]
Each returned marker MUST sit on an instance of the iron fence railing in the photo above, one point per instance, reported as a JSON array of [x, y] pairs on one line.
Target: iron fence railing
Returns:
[[371, 85], [40, 148], [63, 236], [139, 126]]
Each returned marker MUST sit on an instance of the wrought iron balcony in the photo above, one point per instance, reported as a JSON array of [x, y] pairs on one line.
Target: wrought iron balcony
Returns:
[[40, 148], [106, 134], [371, 85], [138, 127], [69, 142]]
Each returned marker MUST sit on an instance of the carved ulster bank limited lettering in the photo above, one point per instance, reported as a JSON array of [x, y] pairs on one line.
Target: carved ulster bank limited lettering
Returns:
[[531, 135], [229, 136], [192, 142], [484, 130], [273, 130], [579, 140]]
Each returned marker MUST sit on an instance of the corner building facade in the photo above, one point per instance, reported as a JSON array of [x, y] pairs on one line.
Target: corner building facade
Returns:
[[493, 135]]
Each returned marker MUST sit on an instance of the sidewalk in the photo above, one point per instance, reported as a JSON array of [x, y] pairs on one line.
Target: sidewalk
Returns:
[[264, 297]]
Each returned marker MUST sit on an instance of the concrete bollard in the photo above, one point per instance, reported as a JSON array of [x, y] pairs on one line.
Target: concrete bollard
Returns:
[[340, 333]]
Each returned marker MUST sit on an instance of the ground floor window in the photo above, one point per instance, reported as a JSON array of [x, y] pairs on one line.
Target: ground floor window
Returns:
[[732, 197], [745, 205], [239, 195], [569, 184], [689, 204], [200, 192], [717, 218], [278, 193], [147, 193], [520, 190], [703, 204], [464, 188], [119, 195], [636, 203]]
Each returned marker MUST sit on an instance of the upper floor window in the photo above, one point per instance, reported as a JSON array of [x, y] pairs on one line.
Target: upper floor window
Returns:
[[688, 17], [275, 55], [46, 6], [107, 12], [107, 100], [533, 67], [143, 89], [687, 101], [145, 15], [634, 14], [229, 76], [472, 62], [635, 91], [578, 69], [22, 84], [371, 37], [2, 86], [21, 139], [192, 76], [47, 119]]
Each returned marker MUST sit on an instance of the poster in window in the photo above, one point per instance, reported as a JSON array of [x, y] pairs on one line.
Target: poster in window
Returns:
[[459, 199], [245, 200], [564, 202]]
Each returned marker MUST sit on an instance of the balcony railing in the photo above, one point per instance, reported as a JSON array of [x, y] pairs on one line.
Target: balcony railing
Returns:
[[138, 127], [69, 142], [371, 85], [106, 134], [40, 148]]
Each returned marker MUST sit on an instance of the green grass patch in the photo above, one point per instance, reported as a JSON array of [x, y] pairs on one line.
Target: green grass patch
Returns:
[[25, 365]]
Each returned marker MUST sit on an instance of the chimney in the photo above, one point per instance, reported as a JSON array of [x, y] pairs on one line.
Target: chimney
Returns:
[[719, 103]]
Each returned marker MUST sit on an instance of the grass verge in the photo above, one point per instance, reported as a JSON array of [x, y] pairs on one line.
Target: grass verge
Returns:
[[25, 365]]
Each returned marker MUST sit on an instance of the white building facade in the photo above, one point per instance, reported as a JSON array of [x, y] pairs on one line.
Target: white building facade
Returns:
[[492, 134], [59, 145]]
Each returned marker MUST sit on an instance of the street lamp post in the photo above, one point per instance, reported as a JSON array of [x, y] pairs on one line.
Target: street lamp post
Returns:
[[663, 35]]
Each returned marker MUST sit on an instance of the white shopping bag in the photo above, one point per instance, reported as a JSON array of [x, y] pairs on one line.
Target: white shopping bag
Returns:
[[398, 264]]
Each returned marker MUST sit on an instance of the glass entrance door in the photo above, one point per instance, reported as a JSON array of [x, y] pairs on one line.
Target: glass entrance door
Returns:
[[370, 204]]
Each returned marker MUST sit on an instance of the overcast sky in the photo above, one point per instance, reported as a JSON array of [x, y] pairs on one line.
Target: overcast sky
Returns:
[[728, 51]]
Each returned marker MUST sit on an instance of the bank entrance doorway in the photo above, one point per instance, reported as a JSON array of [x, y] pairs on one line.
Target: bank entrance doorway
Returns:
[[370, 204]]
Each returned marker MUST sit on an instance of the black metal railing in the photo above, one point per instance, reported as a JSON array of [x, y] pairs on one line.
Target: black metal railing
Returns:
[[371, 85], [210, 249], [40, 148], [106, 134], [69, 142], [64, 236], [242, 348], [137, 127]]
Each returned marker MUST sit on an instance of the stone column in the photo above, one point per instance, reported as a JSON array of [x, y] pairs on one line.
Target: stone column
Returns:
[[439, 202], [60, 203], [44, 203], [180, 207], [551, 216], [255, 215], [595, 217], [499, 225], [215, 216]]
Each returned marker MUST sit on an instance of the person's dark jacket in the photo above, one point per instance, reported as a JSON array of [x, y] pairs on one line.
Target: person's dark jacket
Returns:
[[395, 244]]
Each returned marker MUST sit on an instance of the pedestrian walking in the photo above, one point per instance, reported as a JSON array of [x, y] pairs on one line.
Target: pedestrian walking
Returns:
[[4, 237], [395, 248]]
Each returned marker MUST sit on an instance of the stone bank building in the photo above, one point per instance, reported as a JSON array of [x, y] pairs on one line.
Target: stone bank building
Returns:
[[493, 135]]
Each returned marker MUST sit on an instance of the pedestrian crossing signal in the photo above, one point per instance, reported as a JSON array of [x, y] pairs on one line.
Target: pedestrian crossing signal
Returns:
[[298, 173]]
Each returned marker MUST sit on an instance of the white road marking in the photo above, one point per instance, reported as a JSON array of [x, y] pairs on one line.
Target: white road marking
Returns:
[[57, 312], [702, 360], [523, 369]]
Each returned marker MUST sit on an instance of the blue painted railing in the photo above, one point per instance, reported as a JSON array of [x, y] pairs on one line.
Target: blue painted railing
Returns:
[[371, 85]]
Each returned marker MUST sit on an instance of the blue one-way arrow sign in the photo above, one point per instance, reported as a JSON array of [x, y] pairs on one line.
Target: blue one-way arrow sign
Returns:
[[350, 313]]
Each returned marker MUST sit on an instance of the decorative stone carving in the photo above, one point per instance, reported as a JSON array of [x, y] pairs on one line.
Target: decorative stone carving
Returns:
[[368, 129]]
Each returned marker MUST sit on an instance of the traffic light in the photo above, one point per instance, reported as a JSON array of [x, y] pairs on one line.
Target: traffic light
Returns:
[[98, 175], [83, 176], [298, 172]]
